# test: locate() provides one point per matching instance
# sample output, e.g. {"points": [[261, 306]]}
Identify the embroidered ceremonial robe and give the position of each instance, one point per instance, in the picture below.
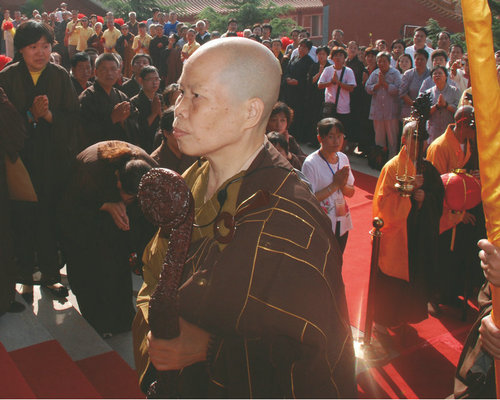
{"points": [[273, 297]]}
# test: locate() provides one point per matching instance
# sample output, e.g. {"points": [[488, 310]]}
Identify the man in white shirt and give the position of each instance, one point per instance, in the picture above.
{"points": [[419, 42], [332, 80]]}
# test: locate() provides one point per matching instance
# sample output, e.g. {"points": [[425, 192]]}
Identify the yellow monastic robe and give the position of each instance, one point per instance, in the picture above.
{"points": [[446, 154], [389, 205]]}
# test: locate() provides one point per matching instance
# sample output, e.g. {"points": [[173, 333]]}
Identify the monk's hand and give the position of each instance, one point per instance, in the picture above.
{"points": [[419, 196], [419, 181], [490, 261], [40, 108], [120, 112], [489, 336], [469, 219], [188, 348], [118, 212]]}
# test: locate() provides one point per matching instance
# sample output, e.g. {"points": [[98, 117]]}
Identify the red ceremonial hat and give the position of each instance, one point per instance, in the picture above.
{"points": [[80, 16], [462, 191], [119, 21], [240, 34], [100, 19]]}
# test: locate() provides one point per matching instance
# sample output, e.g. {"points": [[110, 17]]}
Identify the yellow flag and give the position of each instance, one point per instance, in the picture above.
{"points": [[486, 98]]}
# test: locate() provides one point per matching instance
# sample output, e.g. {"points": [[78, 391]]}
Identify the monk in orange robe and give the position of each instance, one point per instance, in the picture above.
{"points": [[459, 267], [408, 252]]}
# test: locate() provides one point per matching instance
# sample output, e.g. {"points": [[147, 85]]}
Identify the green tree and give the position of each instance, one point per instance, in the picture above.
{"points": [[248, 13], [433, 30], [32, 5], [495, 12]]}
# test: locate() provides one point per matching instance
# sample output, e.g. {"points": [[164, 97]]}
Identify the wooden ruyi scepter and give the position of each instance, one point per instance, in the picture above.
{"points": [[167, 202]]}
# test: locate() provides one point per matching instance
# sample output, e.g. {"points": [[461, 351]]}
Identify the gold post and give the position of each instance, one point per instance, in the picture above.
{"points": [[378, 223]]}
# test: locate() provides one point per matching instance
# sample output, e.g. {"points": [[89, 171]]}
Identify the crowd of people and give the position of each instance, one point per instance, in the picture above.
{"points": [[92, 104]]}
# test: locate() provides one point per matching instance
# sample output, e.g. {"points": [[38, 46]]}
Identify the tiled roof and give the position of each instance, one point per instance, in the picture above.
{"points": [[447, 8], [193, 7]]}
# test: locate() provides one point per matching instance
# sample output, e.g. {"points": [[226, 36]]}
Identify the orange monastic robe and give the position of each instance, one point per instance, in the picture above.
{"points": [[446, 154], [389, 205]]}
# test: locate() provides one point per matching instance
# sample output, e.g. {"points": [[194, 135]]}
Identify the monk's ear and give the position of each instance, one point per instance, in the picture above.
{"points": [[254, 110]]}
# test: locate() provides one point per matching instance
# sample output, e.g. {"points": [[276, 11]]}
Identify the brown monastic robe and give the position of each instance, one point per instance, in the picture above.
{"points": [[274, 298]]}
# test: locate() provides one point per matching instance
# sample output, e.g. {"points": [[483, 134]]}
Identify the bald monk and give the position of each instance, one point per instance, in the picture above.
{"points": [[408, 252], [263, 313], [456, 149]]}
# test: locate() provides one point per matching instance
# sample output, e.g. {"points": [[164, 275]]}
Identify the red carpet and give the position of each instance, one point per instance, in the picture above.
{"points": [[110, 367], [12, 383], [424, 365], [357, 253], [51, 373]]}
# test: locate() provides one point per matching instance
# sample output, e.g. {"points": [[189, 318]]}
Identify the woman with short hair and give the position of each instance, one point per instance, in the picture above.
{"points": [[411, 82], [444, 98], [43, 94]]}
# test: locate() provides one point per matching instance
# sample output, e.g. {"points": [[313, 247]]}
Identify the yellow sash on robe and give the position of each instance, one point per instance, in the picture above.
{"points": [[196, 178]]}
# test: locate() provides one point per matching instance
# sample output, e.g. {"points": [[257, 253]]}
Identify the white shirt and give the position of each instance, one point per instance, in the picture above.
{"points": [[312, 53], [343, 107], [318, 174]]}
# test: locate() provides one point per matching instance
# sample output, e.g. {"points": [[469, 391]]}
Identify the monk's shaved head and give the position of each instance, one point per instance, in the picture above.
{"points": [[408, 130], [465, 123], [246, 68], [464, 112]]}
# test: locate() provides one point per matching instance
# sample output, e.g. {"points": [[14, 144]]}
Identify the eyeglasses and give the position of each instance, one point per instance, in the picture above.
{"points": [[152, 79]]}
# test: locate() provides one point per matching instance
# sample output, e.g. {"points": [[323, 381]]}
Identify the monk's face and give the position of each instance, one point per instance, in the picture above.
{"points": [[151, 83], [107, 73], [207, 112], [37, 55], [82, 71]]}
